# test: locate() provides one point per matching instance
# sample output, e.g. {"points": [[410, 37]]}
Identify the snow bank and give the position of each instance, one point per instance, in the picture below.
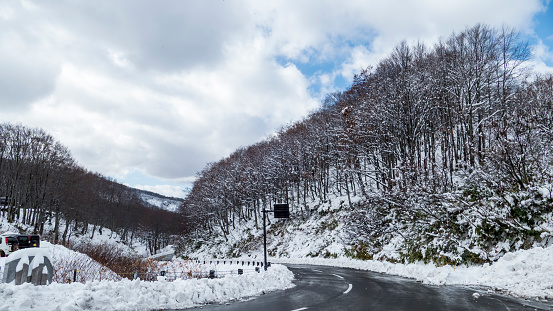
{"points": [[525, 273], [106, 292], [140, 295]]}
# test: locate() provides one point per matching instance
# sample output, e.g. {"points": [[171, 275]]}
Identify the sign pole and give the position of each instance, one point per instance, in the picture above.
{"points": [[264, 240], [281, 211]]}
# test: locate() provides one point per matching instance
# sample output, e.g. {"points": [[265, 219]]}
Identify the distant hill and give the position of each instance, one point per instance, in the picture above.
{"points": [[157, 200]]}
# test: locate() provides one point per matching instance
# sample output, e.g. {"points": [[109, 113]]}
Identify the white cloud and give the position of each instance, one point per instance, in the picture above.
{"points": [[118, 58], [360, 58], [6, 11], [171, 124], [541, 57]]}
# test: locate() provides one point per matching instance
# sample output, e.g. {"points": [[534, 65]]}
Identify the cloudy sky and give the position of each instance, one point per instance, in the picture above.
{"points": [[149, 92]]}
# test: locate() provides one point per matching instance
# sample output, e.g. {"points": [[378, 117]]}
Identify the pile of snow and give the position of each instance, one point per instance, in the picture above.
{"points": [[108, 291], [525, 273], [141, 295]]}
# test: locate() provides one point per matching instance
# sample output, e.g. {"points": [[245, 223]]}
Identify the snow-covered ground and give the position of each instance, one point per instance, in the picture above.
{"points": [[108, 291], [141, 295], [125, 294]]}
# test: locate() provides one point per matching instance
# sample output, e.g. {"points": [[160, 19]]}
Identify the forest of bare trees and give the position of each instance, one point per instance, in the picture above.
{"points": [[435, 140], [40, 184]]}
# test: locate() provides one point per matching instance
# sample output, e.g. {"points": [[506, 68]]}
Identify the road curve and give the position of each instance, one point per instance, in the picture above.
{"points": [[331, 288]]}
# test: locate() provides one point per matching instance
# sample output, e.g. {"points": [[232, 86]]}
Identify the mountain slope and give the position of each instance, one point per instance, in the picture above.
{"points": [[157, 200]]}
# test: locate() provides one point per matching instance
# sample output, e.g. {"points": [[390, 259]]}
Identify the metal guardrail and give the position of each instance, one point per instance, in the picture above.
{"points": [[245, 268], [230, 262]]}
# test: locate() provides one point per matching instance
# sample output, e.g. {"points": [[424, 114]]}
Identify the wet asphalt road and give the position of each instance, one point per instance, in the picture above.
{"points": [[330, 288]]}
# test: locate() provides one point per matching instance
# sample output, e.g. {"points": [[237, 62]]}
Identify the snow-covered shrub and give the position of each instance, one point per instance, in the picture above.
{"points": [[66, 261], [117, 259], [479, 223], [128, 265]]}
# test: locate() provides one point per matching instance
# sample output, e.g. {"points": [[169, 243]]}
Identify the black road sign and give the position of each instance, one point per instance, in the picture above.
{"points": [[282, 211]]}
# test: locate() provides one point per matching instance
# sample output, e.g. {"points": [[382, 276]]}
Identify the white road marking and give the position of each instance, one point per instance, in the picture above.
{"points": [[315, 271], [304, 308], [349, 288], [338, 276]]}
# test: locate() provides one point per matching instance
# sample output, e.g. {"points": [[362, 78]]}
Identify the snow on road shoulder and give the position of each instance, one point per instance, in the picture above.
{"points": [[525, 273], [141, 295]]}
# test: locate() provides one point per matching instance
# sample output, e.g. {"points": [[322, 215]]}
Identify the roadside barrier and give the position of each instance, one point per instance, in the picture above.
{"points": [[171, 276], [222, 268], [230, 262], [28, 266]]}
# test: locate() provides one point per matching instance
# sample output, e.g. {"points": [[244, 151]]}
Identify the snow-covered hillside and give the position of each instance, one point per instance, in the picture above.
{"points": [[421, 160], [326, 230], [322, 237], [159, 201]]}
